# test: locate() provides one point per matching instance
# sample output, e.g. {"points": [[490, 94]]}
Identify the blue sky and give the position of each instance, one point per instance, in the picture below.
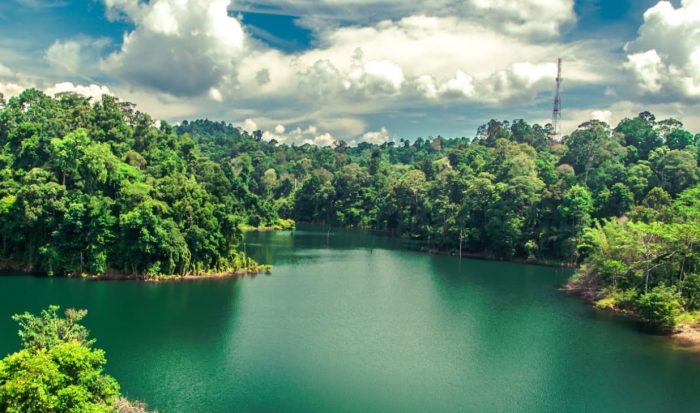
{"points": [[320, 70]]}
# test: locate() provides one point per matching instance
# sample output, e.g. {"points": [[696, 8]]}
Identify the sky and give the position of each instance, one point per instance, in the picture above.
{"points": [[316, 71]]}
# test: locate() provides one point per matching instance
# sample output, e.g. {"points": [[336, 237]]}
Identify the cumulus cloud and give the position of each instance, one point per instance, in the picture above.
{"points": [[616, 111], [194, 58], [193, 47], [445, 57], [78, 56], [369, 60], [523, 18], [10, 89], [180, 47], [299, 136], [64, 55], [518, 81], [530, 17], [461, 86], [375, 77], [89, 91], [377, 137], [665, 57], [249, 126], [602, 115], [12, 83], [312, 135]]}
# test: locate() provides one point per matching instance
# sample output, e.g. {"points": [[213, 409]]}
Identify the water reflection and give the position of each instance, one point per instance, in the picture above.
{"points": [[355, 322]]}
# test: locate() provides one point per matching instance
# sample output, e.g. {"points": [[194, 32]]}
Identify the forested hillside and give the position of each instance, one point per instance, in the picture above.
{"points": [[98, 187], [505, 193]]}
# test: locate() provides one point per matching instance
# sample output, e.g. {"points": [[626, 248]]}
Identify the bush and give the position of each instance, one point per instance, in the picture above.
{"points": [[617, 299], [691, 291], [661, 306], [49, 329], [285, 224], [65, 378], [57, 370]]}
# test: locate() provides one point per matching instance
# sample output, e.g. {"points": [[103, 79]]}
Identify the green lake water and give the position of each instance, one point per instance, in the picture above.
{"points": [[350, 322]]}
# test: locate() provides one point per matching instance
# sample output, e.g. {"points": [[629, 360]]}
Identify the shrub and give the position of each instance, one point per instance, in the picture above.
{"points": [[661, 306], [57, 370]]}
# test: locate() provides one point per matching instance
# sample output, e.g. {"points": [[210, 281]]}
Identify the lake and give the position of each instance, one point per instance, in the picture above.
{"points": [[352, 322]]}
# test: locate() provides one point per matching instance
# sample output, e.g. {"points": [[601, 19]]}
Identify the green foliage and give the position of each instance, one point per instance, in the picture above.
{"points": [[690, 288], [98, 188], [618, 299], [66, 378], [648, 266], [49, 329], [57, 370], [661, 306]]}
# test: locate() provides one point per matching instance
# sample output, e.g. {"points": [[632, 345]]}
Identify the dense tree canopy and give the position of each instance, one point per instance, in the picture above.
{"points": [[100, 187], [506, 193], [650, 265]]}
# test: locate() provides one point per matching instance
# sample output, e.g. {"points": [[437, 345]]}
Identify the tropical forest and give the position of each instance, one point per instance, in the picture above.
{"points": [[305, 206]]}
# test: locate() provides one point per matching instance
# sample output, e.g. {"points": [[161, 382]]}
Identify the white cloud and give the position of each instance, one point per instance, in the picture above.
{"points": [[193, 47], [522, 18], [188, 58], [665, 56], [602, 115], [180, 47], [519, 81], [619, 110], [376, 137], [216, 95], [64, 55], [76, 57], [374, 77], [249, 126], [420, 60], [425, 84], [462, 84], [299, 136], [448, 57], [313, 136], [10, 89], [90, 91], [530, 17], [647, 67]]}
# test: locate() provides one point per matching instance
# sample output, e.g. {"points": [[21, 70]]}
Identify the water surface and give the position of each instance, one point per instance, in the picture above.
{"points": [[351, 322]]}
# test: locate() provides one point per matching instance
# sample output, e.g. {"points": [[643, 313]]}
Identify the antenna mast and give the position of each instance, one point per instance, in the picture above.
{"points": [[556, 113]]}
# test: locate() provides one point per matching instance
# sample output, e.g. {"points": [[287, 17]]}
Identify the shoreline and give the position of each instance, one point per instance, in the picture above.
{"points": [[424, 247], [115, 276], [175, 278], [685, 335], [488, 257]]}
